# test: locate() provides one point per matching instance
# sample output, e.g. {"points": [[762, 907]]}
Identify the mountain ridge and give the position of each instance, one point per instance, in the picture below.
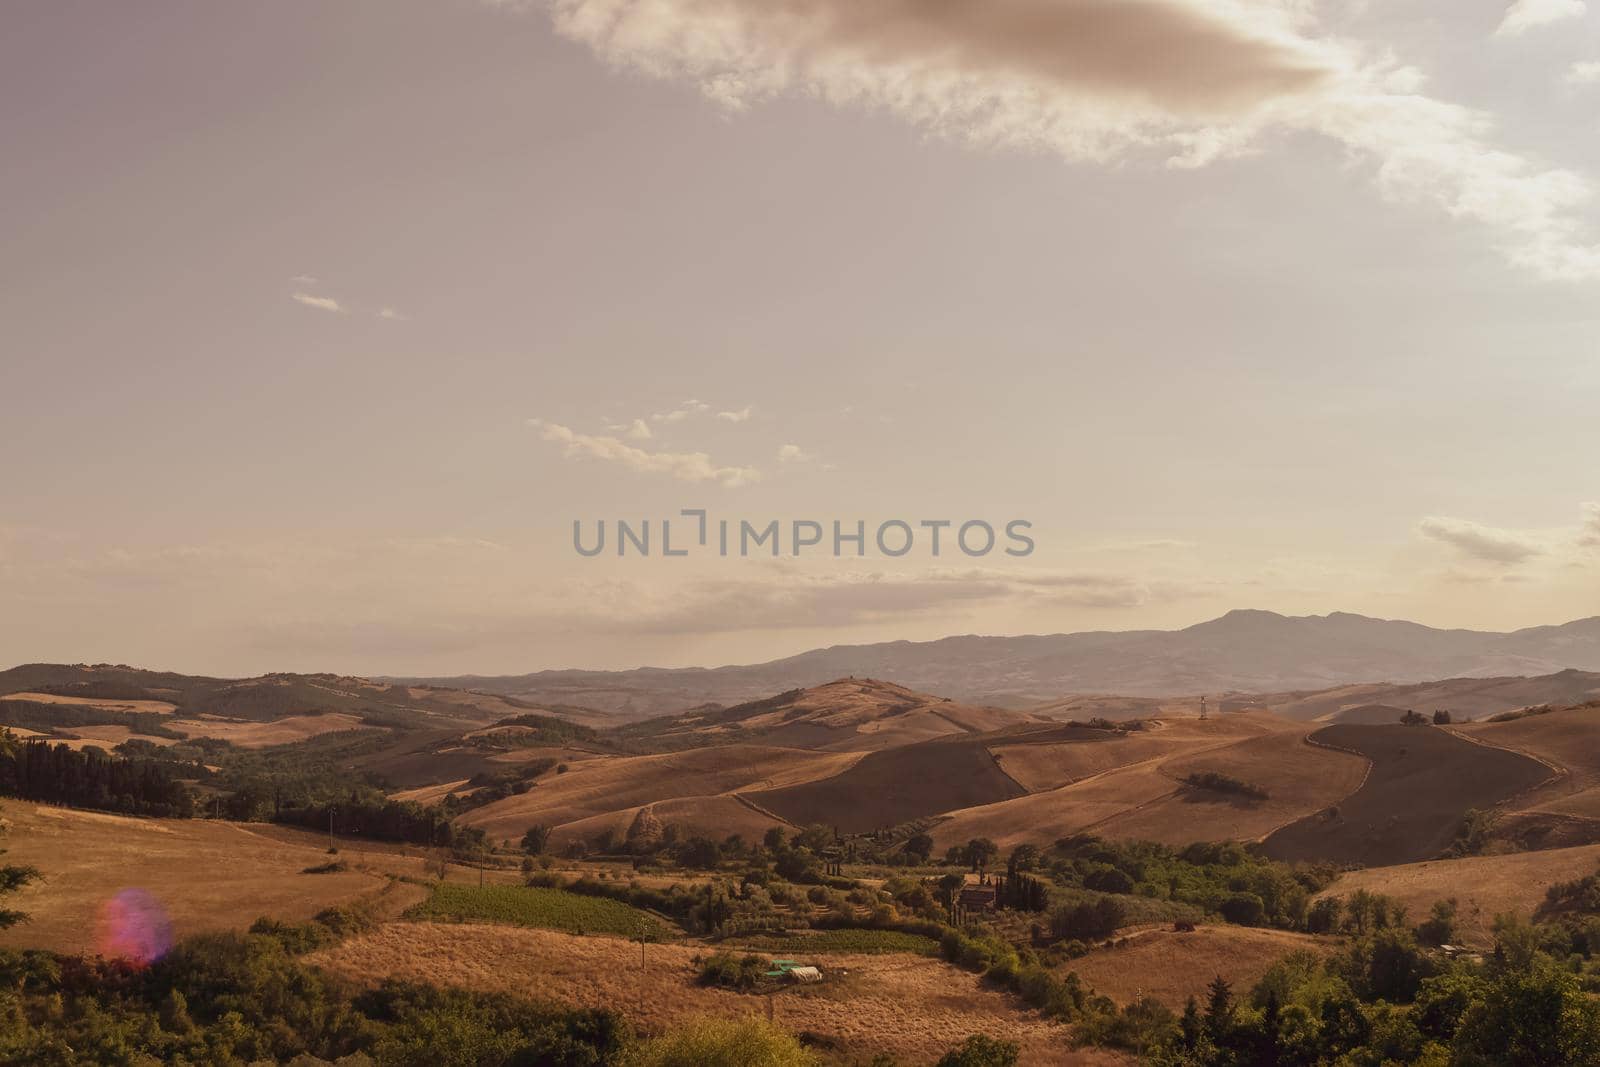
{"points": [[1243, 651]]}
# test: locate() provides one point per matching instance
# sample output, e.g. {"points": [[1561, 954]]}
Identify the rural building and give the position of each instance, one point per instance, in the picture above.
{"points": [[977, 898]]}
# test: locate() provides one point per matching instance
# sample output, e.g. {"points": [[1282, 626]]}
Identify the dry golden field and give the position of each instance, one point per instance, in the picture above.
{"points": [[1171, 966], [1300, 779], [1038, 767], [1483, 886], [208, 875], [910, 1006], [155, 707], [603, 786], [251, 734], [1145, 799]]}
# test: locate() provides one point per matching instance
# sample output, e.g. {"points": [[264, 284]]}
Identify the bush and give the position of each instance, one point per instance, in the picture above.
{"points": [[739, 973], [980, 1050], [1217, 782], [747, 1042]]}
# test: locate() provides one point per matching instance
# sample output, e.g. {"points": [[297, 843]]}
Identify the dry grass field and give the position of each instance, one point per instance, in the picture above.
{"points": [[251, 734], [1299, 779], [609, 785], [1172, 966], [154, 707], [910, 1006], [716, 817], [1483, 886], [1038, 765], [78, 737], [208, 875], [1145, 799], [1423, 781]]}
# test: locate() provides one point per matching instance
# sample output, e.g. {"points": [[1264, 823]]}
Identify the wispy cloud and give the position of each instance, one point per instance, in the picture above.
{"points": [[683, 466], [794, 454], [305, 279], [390, 314], [683, 411], [1525, 15], [1483, 543], [1589, 530], [321, 303], [742, 415], [1584, 72], [1099, 80]]}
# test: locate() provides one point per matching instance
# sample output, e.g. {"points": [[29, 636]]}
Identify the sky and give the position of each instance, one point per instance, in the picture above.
{"points": [[323, 321]]}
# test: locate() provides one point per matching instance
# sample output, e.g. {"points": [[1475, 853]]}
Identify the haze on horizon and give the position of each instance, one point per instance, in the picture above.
{"points": [[323, 322]]}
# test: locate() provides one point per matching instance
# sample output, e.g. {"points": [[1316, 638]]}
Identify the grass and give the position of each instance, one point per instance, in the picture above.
{"points": [[554, 909], [860, 942]]}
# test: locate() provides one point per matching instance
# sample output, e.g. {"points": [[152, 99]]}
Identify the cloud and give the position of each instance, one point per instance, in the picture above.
{"points": [[390, 313], [304, 279], [683, 411], [321, 303], [1584, 72], [1101, 80], [742, 415], [1525, 15], [794, 454], [1484, 543], [638, 430], [684, 466], [1589, 529]]}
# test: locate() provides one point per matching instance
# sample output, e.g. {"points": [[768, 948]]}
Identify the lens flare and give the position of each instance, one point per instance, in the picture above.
{"points": [[133, 926]]}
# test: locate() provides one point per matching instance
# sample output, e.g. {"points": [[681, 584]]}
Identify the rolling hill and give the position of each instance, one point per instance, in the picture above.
{"points": [[844, 715]]}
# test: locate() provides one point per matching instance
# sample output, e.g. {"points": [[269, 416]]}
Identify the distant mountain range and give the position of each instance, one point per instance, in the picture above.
{"points": [[1241, 652]]}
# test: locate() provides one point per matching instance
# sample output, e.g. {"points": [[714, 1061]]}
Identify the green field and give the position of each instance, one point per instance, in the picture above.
{"points": [[536, 906], [867, 942]]}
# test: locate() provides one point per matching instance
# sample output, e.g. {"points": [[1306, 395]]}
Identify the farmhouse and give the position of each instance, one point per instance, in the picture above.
{"points": [[977, 898]]}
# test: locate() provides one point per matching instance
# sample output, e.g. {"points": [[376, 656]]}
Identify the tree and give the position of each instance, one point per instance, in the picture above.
{"points": [[535, 840], [13, 878], [1219, 1010], [949, 886], [1442, 718], [701, 853], [1440, 927], [1024, 857], [920, 846], [981, 852]]}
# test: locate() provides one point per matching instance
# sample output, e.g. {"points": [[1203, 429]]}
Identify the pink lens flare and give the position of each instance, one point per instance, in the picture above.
{"points": [[133, 926]]}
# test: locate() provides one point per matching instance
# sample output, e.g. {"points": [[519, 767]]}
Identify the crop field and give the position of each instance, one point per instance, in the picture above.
{"points": [[862, 942], [154, 707], [1568, 738], [1299, 779], [253, 734], [716, 817], [910, 1007], [616, 783], [1422, 782], [1041, 765], [1483, 886], [207, 875], [555, 909], [896, 785]]}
